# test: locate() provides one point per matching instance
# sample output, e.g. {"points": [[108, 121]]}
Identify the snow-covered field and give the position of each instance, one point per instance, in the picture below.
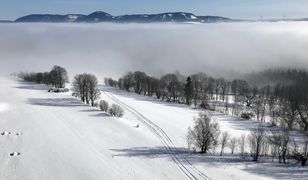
{"points": [[174, 119], [53, 136]]}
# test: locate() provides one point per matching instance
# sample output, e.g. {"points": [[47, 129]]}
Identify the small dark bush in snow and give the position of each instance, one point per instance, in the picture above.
{"points": [[247, 115], [58, 90], [95, 104], [116, 110], [103, 105], [205, 105]]}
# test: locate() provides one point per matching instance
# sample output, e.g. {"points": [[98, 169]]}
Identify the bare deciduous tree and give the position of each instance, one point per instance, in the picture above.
{"points": [[242, 143], [279, 139], [256, 139], [225, 136], [204, 134], [92, 85], [85, 86], [232, 145], [59, 76]]}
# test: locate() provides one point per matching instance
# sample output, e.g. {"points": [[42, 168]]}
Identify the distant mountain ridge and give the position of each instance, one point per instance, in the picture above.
{"points": [[100, 16], [5, 21]]}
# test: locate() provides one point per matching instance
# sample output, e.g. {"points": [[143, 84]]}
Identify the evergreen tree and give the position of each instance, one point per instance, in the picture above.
{"points": [[188, 90]]}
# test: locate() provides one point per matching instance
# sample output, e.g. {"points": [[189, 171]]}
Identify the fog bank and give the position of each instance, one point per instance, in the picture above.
{"points": [[112, 49]]}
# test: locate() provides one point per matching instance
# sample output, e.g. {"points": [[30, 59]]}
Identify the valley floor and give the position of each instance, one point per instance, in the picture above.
{"points": [[53, 136]]}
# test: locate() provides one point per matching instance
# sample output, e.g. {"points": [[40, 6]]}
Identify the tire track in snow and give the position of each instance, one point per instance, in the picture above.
{"points": [[188, 169]]}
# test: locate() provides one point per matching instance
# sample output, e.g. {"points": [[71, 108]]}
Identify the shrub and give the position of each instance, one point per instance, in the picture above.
{"points": [[103, 105], [247, 115], [205, 105], [58, 90], [116, 110], [95, 104]]}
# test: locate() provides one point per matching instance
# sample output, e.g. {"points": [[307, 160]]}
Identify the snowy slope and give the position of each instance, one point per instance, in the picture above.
{"points": [[63, 139], [54, 136], [174, 119]]}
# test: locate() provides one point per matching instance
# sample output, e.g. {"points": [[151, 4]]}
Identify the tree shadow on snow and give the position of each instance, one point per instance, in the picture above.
{"points": [[30, 86], [97, 111], [67, 102], [56, 102], [279, 171], [145, 152], [102, 114], [272, 170], [181, 153]]}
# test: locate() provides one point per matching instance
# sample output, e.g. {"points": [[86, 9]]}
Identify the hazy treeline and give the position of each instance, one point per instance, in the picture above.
{"points": [[57, 77], [276, 76], [279, 97]]}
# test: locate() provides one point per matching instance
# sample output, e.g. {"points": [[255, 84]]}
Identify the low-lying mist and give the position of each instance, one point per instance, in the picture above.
{"points": [[112, 49]]}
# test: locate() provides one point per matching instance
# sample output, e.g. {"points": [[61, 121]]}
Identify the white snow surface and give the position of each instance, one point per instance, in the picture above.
{"points": [[54, 136], [193, 17]]}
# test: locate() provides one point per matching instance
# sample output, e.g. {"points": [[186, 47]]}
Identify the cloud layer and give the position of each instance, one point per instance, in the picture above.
{"points": [[113, 49]]}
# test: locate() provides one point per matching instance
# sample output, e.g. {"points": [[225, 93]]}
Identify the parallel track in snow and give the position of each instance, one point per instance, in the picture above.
{"points": [[180, 160]]}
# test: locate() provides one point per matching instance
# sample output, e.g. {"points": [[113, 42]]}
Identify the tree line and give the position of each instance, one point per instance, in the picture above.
{"points": [[56, 77], [286, 103]]}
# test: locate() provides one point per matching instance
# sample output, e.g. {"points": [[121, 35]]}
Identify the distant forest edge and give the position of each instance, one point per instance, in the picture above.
{"points": [[100, 16]]}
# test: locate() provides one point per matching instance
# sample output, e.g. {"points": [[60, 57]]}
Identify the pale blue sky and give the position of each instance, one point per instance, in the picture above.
{"points": [[11, 9]]}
